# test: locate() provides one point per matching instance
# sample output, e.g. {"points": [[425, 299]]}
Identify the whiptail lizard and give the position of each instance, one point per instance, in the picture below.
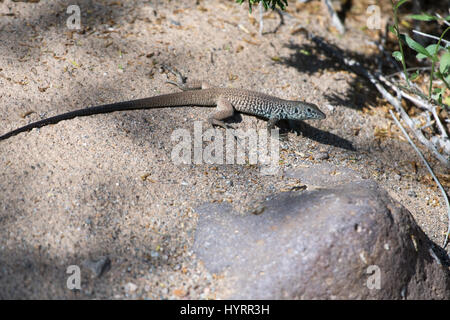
{"points": [[226, 100]]}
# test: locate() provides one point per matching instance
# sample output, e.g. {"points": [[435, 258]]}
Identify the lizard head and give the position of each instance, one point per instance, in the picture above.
{"points": [[304, 111]]}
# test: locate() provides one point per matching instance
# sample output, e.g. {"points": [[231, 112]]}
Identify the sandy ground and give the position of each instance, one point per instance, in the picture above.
{"points": [[106, 185]]}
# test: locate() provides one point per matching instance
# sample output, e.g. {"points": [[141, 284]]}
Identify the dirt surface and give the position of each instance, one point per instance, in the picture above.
{"points": [[106, 185]]}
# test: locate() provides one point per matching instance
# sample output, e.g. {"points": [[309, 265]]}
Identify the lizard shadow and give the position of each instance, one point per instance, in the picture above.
{"points": [[304, 129], [323, 137]]}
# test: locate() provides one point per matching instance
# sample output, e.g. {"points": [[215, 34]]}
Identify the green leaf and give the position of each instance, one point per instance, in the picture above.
{"points": [[422, 17], [444, 65], [266, 4], [397, 55], [305, 52], [393, 30], [447, 78], [437, 94], [420, 56], [447, 100], [415, 45], [431, 50], [414, 75], [398, 4]]}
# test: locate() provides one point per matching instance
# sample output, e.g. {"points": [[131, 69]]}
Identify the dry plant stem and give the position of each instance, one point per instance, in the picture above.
{"points": [[261, 18], [438, 122], [380, 46], [415, 90], [418, 101], [397, 105], [442, 19], [407, 69], [356, 67], [431, 36], [430, 170], [334, 17]]}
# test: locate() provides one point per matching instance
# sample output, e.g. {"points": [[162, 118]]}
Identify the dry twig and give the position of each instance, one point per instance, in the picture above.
{"points": [[359, 69], [429, 169]]}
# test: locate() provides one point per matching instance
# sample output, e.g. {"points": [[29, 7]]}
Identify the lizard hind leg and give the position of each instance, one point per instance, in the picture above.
{"points": [[182, 82], [223, 111]]}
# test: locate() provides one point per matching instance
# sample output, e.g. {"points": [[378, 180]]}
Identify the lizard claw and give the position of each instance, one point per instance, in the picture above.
{"points": [[172, 82], [220, 123], [231, 126], [180, 79]]}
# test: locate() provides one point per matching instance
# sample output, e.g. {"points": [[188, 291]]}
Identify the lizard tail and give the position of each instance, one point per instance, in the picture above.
{"points": [[169, 100], [73, 114]]}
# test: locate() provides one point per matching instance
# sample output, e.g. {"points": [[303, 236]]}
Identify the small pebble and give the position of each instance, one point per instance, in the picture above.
{"points": [[412, 193], [97, 266], [321, 156], [130, 287]]}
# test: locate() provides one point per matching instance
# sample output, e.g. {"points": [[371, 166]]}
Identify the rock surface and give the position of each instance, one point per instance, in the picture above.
{"points": [[346, 242]]}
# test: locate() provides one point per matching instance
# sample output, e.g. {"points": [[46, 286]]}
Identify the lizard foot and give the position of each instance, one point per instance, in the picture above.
{"points": [[181, 81]]}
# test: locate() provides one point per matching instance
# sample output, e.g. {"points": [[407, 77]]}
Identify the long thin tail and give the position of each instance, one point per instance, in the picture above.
{"points": [[66, 116], [168, 100]]}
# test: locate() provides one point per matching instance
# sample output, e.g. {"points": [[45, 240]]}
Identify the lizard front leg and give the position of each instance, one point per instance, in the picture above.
{"points": [[271, 124]]}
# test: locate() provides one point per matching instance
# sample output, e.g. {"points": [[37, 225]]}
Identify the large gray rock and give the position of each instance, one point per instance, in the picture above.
{"points": [[347, 242]]}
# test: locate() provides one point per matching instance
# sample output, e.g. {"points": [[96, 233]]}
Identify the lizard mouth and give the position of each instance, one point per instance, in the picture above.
{"points": [[321, 115], [317, 113]]}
